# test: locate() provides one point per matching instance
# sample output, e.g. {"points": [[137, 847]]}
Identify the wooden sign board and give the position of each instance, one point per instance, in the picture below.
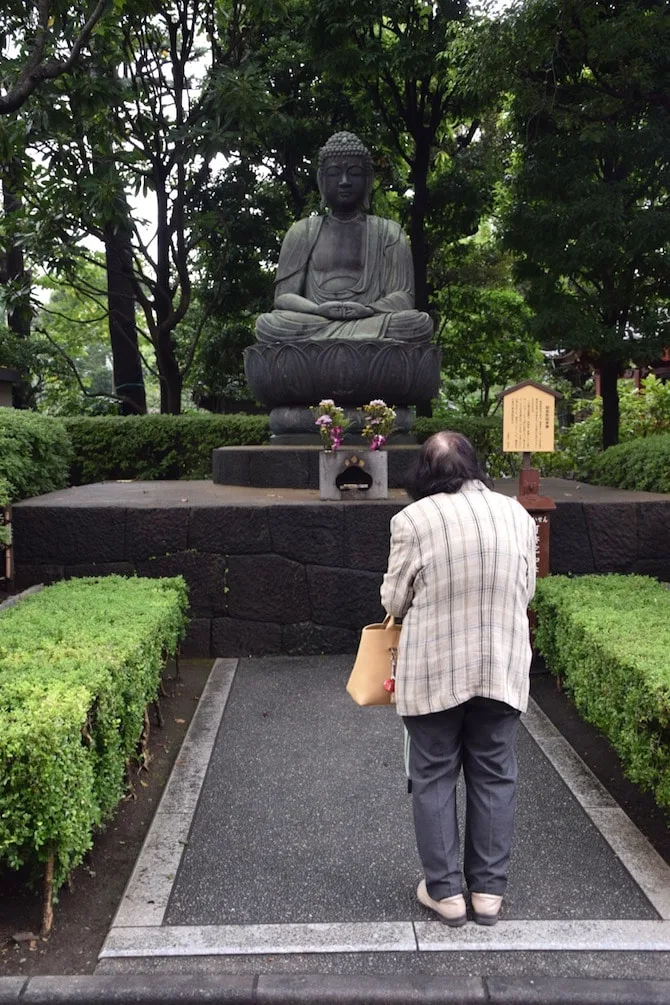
{"points": [[528, 418]]}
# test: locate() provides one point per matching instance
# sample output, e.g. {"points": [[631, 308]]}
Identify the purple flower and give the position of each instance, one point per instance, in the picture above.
{"points": [[323, 420], [377, 442]]}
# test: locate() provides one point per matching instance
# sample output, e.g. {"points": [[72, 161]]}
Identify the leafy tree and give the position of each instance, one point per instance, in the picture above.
{"points": [[487, 346], [43, 221], [67, 361], [588, 212], [408, 68], [136, 119], [248, 216], [384, 72], [41, 42]]}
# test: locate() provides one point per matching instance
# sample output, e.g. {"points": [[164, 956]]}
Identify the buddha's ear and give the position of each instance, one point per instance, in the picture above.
{"points": [[368, 191], [319, 182]]}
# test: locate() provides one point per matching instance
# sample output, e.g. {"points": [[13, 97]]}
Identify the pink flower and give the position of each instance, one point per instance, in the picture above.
{"points": [[323, 420], [377, 442], [336, 436]]}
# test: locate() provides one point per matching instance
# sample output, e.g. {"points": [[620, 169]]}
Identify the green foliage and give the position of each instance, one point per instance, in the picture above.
{"points": [[73, 326], [41, 42], [486, 346], [587, 207], [485, 434], [608, 637], [156, 446], [35, 453], [79, 662], [579, 447], [642, 465], [410, 71]]}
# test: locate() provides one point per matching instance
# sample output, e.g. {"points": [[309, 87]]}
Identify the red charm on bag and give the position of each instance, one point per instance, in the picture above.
{"points": [[389, 683]]}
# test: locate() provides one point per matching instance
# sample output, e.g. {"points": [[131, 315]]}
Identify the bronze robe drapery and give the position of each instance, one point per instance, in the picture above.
{"points": [[386, 283]]}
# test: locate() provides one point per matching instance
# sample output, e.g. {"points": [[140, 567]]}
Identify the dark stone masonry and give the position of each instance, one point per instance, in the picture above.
{"points": [[282, 572]]}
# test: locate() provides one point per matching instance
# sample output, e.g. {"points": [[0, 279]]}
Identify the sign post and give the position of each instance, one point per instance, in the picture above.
{"points": [[528, 426]]}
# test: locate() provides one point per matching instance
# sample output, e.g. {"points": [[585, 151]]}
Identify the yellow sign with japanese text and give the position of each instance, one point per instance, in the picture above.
{"points": [[528, 418]]}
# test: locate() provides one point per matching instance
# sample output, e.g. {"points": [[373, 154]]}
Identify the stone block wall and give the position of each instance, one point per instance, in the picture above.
{"points": [[299, 578]]}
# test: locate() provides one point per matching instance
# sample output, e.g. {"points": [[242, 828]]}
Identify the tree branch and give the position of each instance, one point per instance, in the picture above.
{"points": [[35, 71], [71, 364]]}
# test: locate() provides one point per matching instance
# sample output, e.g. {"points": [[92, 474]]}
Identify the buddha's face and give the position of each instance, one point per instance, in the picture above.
{"points": [[344, 183]]}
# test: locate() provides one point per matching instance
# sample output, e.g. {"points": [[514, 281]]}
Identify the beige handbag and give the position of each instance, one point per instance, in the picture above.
{"points": [[372, 680]]}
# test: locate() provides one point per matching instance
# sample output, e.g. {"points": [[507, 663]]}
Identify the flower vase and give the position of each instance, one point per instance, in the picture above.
{"points": [[353, 474]]}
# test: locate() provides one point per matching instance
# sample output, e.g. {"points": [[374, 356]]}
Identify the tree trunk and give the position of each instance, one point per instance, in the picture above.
{"points": [[419, 245], [609, 374], [170, 376], [128, 376], [20, 316], [417, 233]]}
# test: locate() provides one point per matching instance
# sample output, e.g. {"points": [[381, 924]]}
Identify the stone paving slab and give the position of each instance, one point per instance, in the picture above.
{"points": [[574, 907], [514, 965], [307, 989], [304, 818]]}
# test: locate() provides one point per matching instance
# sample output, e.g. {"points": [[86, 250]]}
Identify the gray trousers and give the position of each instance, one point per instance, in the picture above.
{"points": [[478, 735]]}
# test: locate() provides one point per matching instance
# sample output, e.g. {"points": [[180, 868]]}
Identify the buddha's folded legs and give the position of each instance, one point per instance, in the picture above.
{"points": [[288, 326], [409, 326]]}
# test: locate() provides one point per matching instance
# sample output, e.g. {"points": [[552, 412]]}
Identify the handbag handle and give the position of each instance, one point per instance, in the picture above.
{"points": [[389, 621]]}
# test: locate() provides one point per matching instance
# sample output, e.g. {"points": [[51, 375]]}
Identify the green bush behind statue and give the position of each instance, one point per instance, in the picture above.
{"points": [[149, 447], [35, 454]]}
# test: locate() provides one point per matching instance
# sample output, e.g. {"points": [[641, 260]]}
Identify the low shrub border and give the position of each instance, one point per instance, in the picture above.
{"points": [[35, 453], [608, 637], [79, 663], [148, 447], [642, 465]]}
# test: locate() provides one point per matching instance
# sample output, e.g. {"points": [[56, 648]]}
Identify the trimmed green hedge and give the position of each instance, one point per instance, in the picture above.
{"points": [[79, 662], [150, 447], [609, 638], [35, 453], [485, 434], [643, 465]]}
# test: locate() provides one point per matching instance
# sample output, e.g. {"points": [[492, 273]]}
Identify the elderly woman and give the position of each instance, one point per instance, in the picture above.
{"points": [[461, 573]]}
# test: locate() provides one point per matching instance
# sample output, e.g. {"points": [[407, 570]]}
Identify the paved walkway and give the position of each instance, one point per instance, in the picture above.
{"points": [[284, 844]]}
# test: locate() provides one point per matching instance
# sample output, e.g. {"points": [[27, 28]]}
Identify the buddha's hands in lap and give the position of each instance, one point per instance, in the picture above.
{"points": [[344, 310]]}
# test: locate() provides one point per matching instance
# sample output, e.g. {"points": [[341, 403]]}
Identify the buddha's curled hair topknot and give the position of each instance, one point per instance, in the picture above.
{"points": [[345, 144]]}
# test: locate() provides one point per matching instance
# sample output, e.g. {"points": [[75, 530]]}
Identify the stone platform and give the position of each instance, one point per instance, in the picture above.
{"points": [[278, 571]]}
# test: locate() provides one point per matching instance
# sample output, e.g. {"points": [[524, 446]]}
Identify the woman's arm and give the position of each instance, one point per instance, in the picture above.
{"points": [[404, 563]]}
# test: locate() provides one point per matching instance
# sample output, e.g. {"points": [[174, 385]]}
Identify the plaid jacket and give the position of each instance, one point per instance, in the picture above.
{"points": [[461, 573]]}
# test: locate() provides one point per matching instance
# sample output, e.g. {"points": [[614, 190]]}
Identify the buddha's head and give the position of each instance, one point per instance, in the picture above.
{"points": [[345, 173]]}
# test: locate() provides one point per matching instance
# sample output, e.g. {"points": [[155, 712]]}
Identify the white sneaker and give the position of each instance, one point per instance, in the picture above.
{"points": [[450, 909], [486, 907]]}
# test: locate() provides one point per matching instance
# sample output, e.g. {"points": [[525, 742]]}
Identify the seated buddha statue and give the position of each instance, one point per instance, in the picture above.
{"points": [[345, 274]]}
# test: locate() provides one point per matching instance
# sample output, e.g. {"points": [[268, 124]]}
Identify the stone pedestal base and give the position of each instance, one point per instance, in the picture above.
{"points": [[353, 474], [351, 373]]}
